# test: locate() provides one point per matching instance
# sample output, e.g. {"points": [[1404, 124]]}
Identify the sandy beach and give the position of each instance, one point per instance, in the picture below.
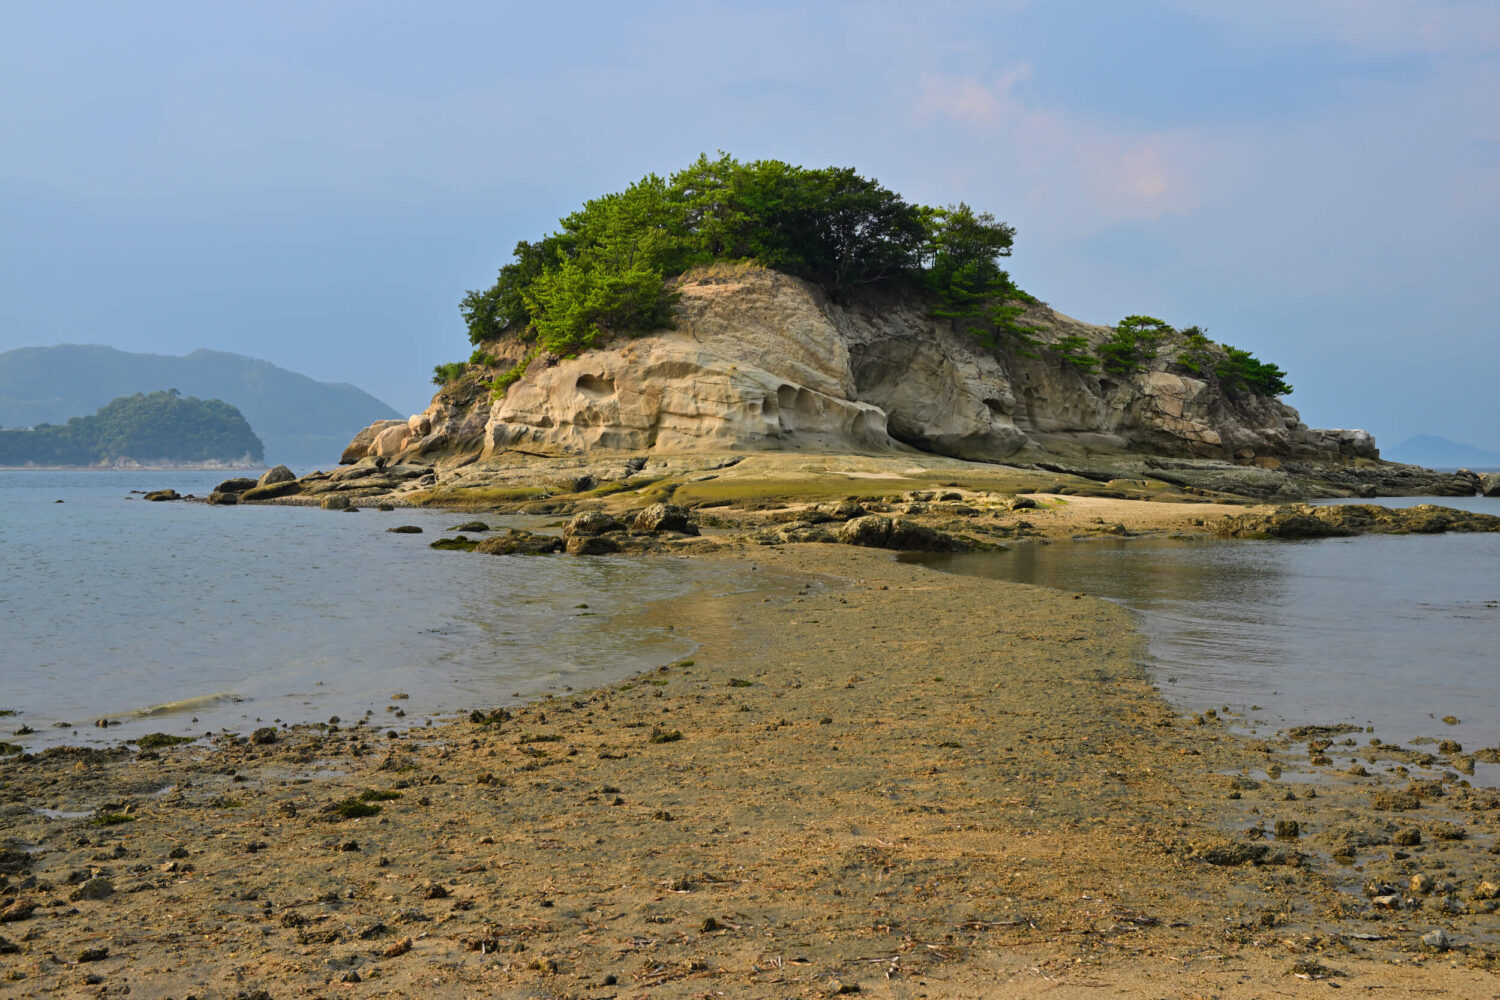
{"points": [[873, 778]]}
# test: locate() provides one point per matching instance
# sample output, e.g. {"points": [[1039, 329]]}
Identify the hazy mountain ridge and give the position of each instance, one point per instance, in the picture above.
{"points": [[300, 420], [1429, 449]]}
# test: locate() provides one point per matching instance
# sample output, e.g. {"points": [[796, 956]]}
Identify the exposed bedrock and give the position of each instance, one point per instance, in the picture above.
{"points": [[760, 361]]}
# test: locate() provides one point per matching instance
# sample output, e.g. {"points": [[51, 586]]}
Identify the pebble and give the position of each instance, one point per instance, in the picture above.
{"points": [[1436, 939], [1421, 883]]}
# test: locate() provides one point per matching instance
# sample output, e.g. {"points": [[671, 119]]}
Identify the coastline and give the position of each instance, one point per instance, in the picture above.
{"points": [[998, 802]]}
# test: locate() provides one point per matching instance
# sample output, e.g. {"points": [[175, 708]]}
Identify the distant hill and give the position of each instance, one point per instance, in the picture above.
{"points": [[301, 421], [149, 428], [1430, 450]]}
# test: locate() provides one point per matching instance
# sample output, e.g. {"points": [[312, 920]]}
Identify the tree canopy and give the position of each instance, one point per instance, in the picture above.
{"points": [[157, 426], [605, 269]]}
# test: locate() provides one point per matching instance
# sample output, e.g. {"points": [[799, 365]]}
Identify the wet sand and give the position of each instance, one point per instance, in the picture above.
{"points": [[887, 780]]}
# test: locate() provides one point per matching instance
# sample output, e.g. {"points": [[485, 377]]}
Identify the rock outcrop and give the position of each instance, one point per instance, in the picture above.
{"points": [[762, 361], [1339, 520]]}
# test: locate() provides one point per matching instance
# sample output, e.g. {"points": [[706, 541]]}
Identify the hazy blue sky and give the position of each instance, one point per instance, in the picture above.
{"points": [[317, 184]]}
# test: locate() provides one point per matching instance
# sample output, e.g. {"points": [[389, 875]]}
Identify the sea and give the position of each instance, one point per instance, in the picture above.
{"points": [[120, 617], [1391, 633]]}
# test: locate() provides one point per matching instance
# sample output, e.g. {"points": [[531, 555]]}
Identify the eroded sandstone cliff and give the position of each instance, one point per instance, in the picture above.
{"points": [[762, 361]]}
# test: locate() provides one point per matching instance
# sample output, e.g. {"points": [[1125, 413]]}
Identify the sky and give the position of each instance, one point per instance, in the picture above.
{"points": [[318, 184]]}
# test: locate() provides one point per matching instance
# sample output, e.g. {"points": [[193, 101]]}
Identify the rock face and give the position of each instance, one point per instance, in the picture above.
{"points": [[763, 361], [1489, 484]]}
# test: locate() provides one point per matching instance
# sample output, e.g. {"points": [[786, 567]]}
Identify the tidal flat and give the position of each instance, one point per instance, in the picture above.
{"points": [[889, 780]]}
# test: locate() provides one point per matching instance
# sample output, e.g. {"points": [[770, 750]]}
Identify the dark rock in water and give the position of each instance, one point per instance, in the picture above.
{"points": [[385, 506], [1306, 521], [458, 543], [522, 543], [223, 499], [271, 491], [470, 526], [280, 474], [591, 545], [350, 509], [591, 522], [334, 502], [238, 485], [162, 495], [405, 529], [664, 517]]}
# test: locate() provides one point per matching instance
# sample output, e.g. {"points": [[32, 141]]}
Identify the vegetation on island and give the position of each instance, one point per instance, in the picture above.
{"points": [[161, 426], [607, 270]]}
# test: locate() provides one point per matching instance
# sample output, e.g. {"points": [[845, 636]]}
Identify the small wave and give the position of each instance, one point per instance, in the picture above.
{"points": [[186, 705]]}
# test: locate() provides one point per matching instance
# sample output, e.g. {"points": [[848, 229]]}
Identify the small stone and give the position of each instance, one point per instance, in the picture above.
{"points": [[1288, 828], [1421, 883], [93, 954], [1487, 890], [352, 976], [397, 948], [19, 910], [1436, 939], [94, 888], [1409, 837], [434, 891], [405, 529], [1450, 746], [1391, 902]]}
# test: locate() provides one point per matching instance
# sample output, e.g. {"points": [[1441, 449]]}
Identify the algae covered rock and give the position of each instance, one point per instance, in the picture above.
{"points": [[591, 522], [223, 499], [237, 485], [157, 495], [591, 545], [1302, 520], [875, 531], [519, 543], [661, 517], [271, 491]]}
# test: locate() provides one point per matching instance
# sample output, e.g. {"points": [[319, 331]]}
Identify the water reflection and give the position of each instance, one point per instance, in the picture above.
{"points": [[1394, 632]]}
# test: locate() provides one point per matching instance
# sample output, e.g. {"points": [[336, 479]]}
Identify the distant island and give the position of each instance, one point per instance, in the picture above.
{"points": [[157, 428], [301, 421]]}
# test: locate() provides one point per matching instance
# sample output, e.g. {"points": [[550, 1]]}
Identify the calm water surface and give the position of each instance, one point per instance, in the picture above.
{"points": [[232, 617], [1386, 631]]}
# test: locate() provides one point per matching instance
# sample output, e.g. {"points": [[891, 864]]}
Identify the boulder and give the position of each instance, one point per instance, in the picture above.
{"points": [[224, 499], [1019, 503], [336, 501], [237, 485], [591, 522], [280, 474], [522, 543], [661, 517], [591, 545], [1489, 484], [405, 529], [162, 495], [271, 491], [360, 446]]}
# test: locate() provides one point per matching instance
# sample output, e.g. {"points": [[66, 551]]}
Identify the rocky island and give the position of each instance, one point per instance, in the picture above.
{"points": [[871, 777]]}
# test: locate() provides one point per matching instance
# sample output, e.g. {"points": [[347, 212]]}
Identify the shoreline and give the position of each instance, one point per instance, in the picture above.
{"points": [[997, 798]]}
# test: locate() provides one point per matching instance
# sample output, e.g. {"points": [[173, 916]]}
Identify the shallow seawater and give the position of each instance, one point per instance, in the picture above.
{"points": [[186, 618], [1391, 632]]}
